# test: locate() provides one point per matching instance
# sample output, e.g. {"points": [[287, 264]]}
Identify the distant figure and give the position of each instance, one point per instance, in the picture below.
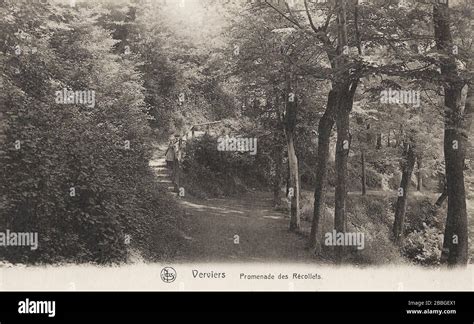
{"points": [[170, 155]]}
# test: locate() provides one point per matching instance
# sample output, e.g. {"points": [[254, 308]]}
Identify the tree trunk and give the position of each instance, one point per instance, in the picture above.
{"points": [[290, 127], [378, 146], [399, 137], [346, 88], [294, 184], [278, 159], [368, 140], [455, 245], [325, 126], [338, 108], [419, 175], [408, 165], [342, 154]]}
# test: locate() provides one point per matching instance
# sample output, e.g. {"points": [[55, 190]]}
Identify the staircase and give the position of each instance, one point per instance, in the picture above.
{"points": [[162, 173]]}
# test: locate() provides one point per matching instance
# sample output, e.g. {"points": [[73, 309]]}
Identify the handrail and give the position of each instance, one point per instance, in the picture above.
{"points": [[201, 124], [209, 123], [182, 142]]}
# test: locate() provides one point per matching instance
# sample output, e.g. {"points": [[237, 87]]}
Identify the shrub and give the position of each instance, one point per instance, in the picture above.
{"points": [[370, 215], [423, 247], [72, 180], [208, 172]]}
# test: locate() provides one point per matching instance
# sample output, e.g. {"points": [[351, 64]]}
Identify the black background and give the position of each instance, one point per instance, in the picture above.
{"points": [[148, 307]]}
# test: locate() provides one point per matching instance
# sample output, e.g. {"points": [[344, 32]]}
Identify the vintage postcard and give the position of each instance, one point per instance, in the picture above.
{"points": [[236, 145]]}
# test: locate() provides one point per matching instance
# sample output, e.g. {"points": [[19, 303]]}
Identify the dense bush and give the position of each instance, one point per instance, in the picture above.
{"points": [[369, 215], [209, 172], [373, 216], [76, 174], [424, 228], [424, 247], [366, 214], [354, 182], [422, 212]]}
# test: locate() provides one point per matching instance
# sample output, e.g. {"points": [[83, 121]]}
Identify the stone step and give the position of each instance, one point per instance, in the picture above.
{"points": [[161, 175], [160, 169], [159, 166], [164, 181], [157, 163]]}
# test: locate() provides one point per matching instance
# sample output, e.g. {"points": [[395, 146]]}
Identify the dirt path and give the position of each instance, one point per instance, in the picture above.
{"points": [[215, 226], [239, 229], [212, 226]]}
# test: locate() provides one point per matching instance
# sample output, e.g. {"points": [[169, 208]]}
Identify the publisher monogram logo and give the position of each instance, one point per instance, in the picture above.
{"points": [[168, 275]]}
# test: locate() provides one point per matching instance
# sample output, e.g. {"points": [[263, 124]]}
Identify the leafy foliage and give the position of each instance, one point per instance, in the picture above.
{"points": [[76, 174]]}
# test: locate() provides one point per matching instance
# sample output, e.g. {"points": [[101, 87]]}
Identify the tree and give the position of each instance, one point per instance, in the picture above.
{"points": [[455, 245], [76, 172], [407, 165], [294, 185]]}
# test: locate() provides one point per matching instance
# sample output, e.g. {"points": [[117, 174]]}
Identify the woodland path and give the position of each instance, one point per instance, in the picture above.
{"points": [[211, 226]]}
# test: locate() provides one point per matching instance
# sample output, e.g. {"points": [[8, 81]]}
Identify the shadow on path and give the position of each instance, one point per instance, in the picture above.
{"points": [[213, 227]]}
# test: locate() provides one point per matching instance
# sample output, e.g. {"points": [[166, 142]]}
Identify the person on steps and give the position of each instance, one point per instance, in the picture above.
{"points": [[170, 155]]}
